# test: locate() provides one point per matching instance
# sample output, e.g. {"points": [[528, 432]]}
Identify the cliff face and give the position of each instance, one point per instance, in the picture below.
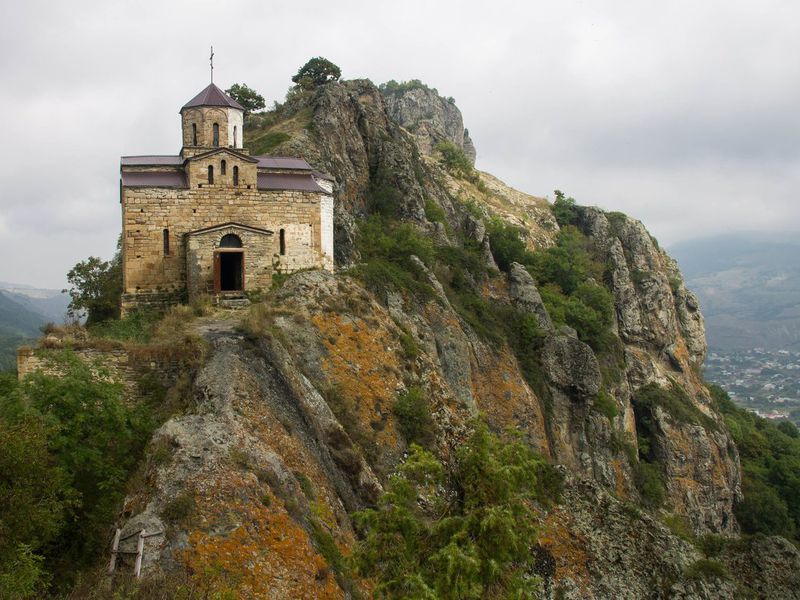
{"points": [[293, 425], [430, 118]]}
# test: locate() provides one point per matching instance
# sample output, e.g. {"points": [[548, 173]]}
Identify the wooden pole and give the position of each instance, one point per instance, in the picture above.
{"points": [[114, 548], [139, 553]]}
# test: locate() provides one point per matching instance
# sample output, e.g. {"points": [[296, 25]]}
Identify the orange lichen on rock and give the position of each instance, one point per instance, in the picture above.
{"points": [[253, 548], [620, 479], [567, 549], [505, 398], [362, 360]]}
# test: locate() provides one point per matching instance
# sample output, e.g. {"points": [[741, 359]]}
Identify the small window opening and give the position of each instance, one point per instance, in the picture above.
{"points": [[235, 175], [215, 143], [283, 242], [235, 142], [210, 174], [166, 242], [194, 134], [223, 167]]}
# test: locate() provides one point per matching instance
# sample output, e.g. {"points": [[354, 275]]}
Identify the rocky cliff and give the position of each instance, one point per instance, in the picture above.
{"points": [[293, 427], [430, 118]]}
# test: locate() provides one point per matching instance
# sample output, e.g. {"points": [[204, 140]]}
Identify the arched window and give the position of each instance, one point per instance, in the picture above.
{"points": [[194, 134], [235, 175], [223, 167], [166, 242], [282, 240], [230, 240], [210, 174], [235, 143], [215, 143]]}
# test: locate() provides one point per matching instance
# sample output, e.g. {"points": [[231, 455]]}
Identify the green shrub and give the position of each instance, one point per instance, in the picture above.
{"points": [[650, 482], [606, 404], [179, 510], [433, 212], [564, 209], [679, 526], [674, 400], [707, 570], [393, 87], [507, 244], [568, 264], [136, 327], [386, 248], [616, 222], [455, 161], [478, 541], [409, 345], [414, 418], [306, 486], [711, 545]]}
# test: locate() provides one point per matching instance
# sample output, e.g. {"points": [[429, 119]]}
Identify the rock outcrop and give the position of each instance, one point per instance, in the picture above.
{"points": [[430, 118]]}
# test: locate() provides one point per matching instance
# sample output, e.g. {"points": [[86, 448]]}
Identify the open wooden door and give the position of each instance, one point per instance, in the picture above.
{"points": [[217, 273]]}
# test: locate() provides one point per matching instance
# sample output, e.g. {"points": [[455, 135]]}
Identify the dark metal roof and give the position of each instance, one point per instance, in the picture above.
{"points": [[174, 179], [288, 181], [282, 162], [322, 175], [155, 159], [212, 96]]}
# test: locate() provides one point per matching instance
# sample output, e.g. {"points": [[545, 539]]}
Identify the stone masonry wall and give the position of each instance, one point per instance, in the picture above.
{"points": [[146, 212], [259, 250], [117, 364]]}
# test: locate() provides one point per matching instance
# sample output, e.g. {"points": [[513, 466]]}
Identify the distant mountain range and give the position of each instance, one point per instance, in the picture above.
{"points": [[749, 288], [23, 310]]}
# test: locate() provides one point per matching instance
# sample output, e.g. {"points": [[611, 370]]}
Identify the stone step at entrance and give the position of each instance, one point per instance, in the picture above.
{"points": [[233, 300]]}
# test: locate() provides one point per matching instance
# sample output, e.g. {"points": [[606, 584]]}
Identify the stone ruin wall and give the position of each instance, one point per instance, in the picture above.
{"points": [[122, 365]]}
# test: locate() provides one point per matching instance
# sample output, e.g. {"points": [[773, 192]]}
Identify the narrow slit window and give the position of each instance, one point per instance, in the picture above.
{"points": [[215, 143], [194, 134], [235, 141], [282, 239], [223, 167], [235, 175], [210, 174], [166, 242]]}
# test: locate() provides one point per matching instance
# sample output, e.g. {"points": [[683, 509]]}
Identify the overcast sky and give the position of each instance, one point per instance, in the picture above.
{"points": [[683, 114]]}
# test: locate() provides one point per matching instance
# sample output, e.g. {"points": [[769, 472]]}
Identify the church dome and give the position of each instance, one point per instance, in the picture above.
{"points": [[213, 96]]}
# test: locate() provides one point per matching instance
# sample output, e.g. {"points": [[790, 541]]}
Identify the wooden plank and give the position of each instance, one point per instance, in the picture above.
{"points": [[114, 550], [137, 571], [217, 274]]}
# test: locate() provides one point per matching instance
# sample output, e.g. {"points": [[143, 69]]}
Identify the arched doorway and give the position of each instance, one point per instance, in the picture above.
{"points": [[229, 265]]}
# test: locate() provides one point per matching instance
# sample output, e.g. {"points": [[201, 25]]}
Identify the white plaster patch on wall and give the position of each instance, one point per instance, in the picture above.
{"points": [[326, 229], [235, 119]]}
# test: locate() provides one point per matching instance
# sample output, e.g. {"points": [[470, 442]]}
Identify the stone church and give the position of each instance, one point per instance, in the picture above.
{"points": [[214, 219]]}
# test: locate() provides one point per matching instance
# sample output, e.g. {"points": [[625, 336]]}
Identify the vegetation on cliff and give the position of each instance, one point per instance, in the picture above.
{"points": [[69, 444], [770, 455], [468, 533]]}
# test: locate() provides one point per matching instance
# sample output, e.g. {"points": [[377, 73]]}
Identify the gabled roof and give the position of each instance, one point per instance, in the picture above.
{"points": [[171, 179], [230, 224], [212, 96], [282, 162], [300, 182], [151, 160], [222, 149]]}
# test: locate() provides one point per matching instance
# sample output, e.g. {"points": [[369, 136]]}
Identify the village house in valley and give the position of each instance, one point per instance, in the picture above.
{"points": [[214, 219]]}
